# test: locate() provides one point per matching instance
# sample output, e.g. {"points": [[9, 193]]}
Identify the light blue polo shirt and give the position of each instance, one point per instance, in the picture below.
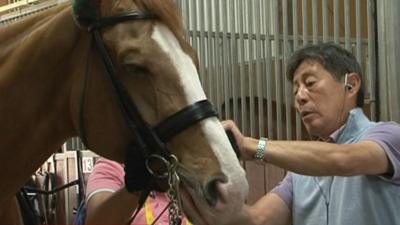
{"points": [[353, 200]]}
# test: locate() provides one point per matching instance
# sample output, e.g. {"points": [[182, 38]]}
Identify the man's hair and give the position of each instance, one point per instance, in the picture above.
{"points": [[335, 59]]}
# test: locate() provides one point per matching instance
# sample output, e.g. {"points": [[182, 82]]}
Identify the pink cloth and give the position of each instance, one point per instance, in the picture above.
{"points": [[108, 175]]}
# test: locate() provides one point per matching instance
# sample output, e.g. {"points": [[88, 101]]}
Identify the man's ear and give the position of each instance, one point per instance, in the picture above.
{"points": [[352, 82]]}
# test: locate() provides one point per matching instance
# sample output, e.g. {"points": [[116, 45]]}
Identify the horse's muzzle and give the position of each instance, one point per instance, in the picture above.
{"points": [[213, 191]]}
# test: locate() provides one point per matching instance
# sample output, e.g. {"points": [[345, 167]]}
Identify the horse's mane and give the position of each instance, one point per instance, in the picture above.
{"points": [[13, 33], [167, 12], [30, 22]]}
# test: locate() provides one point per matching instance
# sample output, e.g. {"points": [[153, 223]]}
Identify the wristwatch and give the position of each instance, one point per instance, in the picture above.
{"points": [[261, 150]]}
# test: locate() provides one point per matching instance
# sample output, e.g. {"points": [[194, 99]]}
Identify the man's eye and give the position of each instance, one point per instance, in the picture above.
{"points": [[310, 83]]}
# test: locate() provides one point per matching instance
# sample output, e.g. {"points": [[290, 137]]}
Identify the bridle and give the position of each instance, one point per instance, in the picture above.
{"points": [[151, 141]]}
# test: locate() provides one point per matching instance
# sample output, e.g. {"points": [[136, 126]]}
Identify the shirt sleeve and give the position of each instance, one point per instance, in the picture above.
{"points": [[387, 135], [285, 190], [107, 175]]}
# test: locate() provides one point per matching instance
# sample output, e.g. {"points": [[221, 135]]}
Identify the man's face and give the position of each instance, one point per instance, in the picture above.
{"points": [[319, 98]]}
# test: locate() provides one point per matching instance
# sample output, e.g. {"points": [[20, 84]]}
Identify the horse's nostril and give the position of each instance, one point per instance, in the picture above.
{"points": [[212, 192]]}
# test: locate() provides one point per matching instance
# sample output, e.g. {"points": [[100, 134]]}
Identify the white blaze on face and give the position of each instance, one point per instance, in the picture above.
{"points": [[183, 63], [212, 128]]}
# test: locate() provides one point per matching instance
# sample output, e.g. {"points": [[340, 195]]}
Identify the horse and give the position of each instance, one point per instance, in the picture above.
{"points": [[109, 71]]}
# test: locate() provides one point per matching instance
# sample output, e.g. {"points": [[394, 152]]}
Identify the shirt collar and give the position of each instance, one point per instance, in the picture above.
{"points": [[336, 134]]}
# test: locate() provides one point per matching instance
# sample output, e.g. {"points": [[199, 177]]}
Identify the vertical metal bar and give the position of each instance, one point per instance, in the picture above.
{"points": [[384, 113], [278, 84], [392, 26], [66, 191], [83, 147], [325, 21], [359, 34], [305, 21], [251, 58], [201, 50], [77, 172], [315, 20], [295, 19], [267, 66], [359, 44], [225, 59], [234, 59], [262, 82], [73, 145], [259, 85], [218, 76], [336, 21], [179, 4], [295, 46], [210, 55], [288, 89], [242, 67], [347, 31], [210, 65], [371, 57], [64, 147], [187, 19], [195, 29]]}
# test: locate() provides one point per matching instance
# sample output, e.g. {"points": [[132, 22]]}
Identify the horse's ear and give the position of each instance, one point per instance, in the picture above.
{"points": [[84, 12]]}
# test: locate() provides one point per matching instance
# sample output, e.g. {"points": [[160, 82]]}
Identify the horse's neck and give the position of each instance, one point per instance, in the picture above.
{"points": [[36, 74], [13, 35]]}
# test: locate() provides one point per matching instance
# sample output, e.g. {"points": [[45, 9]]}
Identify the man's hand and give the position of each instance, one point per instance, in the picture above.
{"points": [[241, 140]]}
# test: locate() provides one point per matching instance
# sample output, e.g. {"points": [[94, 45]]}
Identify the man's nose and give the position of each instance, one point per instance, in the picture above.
{"points": [[301, 95]]}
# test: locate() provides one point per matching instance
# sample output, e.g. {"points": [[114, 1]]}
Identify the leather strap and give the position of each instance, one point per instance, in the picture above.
{"points": [[185, 118]]}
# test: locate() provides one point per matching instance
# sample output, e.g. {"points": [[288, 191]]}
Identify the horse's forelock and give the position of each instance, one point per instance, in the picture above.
{"points": [[167, 12], [84, 12]]}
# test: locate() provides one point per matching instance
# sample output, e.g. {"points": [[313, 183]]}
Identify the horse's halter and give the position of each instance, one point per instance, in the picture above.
{"points": [[150, 140]]}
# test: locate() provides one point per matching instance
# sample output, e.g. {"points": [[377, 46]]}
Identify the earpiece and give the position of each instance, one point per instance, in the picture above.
{"points": [[349, 86], [346, 82]]}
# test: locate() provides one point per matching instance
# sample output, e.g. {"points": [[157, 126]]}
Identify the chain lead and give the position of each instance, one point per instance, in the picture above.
{"points": [[174, 209]]}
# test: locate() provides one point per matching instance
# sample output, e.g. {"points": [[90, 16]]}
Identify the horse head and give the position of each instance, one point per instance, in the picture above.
{"points": [[144, 68]]}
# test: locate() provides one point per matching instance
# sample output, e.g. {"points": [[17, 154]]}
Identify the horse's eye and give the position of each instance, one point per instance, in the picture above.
{"points": [[135, 69]]}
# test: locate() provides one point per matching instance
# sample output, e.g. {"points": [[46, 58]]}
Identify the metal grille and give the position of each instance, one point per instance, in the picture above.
{"points": [[243, 47]]}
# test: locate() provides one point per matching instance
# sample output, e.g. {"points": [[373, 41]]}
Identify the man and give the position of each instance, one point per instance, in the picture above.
{"points": [[350, 173]]}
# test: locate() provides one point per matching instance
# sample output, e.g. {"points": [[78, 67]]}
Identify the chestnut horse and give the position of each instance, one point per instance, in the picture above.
{"points": [[90, 69]]}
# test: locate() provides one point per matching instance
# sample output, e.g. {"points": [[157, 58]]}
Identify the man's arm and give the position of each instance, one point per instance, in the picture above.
{"points": [[272, 209], [269, 210], [318, 158], [325, 159]]}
